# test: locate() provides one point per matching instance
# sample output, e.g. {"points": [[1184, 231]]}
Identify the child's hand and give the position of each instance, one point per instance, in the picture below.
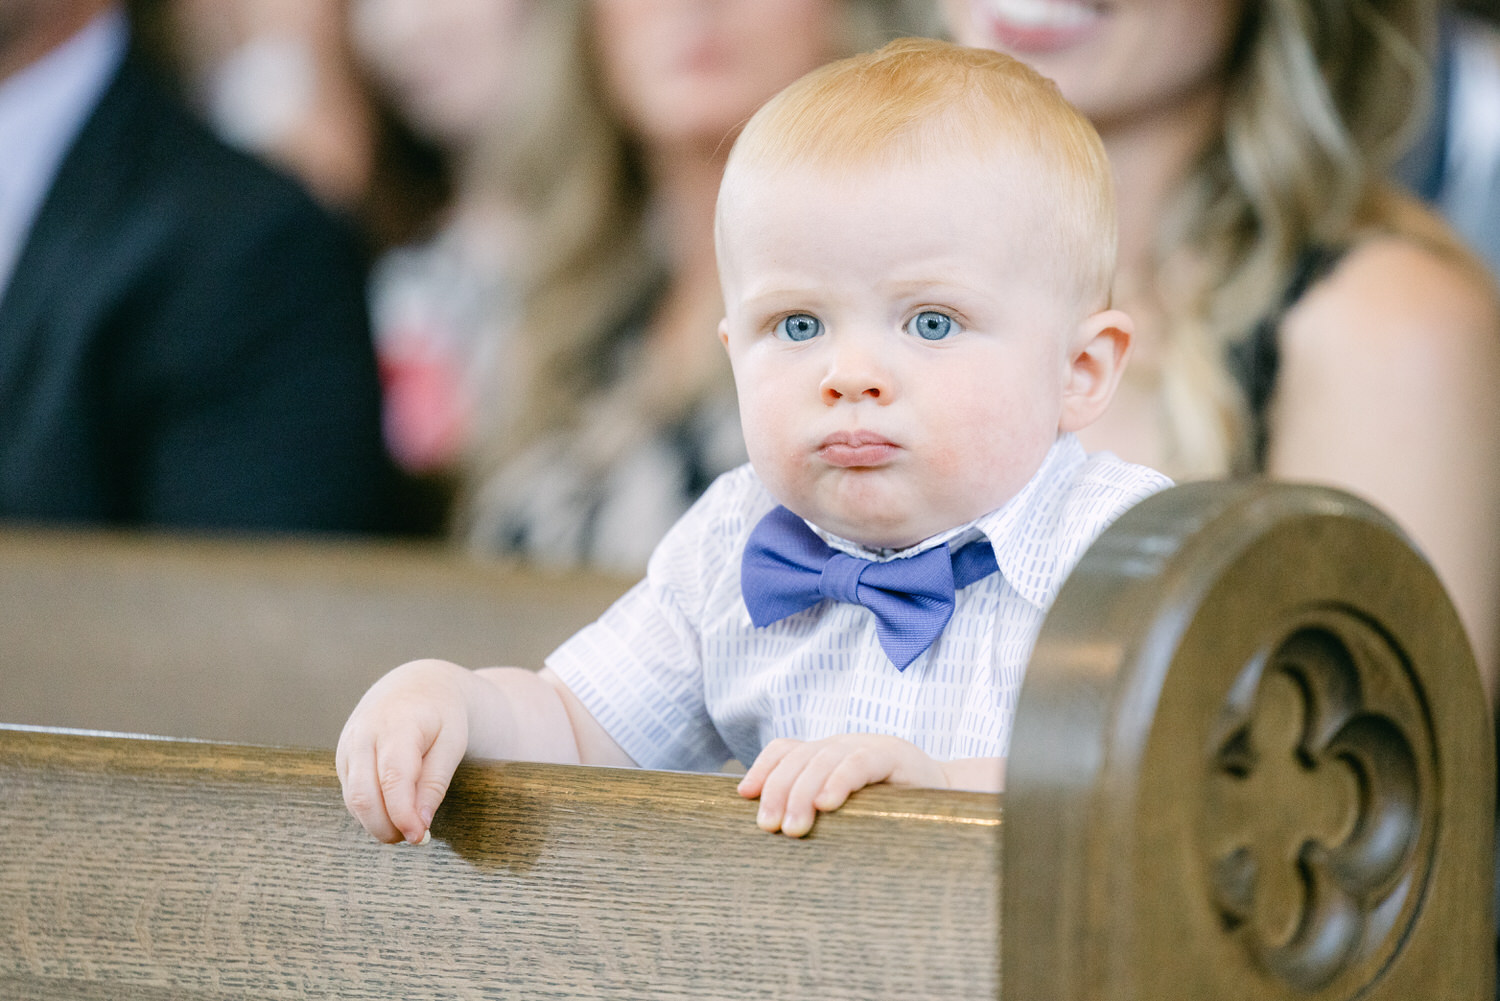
{"points": [[401, 746], [795, 778]]}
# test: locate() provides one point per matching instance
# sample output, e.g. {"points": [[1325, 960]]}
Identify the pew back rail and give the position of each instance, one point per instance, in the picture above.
{"points": [[167, 869], [254, 640]]}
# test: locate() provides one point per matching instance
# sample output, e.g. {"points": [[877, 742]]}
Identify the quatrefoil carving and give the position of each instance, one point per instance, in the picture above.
{"points": [[1318, 802]]}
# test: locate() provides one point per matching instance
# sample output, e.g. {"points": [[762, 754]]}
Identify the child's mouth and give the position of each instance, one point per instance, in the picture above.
{"points": [[850, 449]]}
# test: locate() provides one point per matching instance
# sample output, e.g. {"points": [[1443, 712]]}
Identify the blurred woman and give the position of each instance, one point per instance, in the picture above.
{"points": [[1297, 317], [459, 75], [619, 409]]}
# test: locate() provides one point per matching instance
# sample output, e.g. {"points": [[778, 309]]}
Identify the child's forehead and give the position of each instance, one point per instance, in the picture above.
{"points": [[842, 181], [961, 196], [793, 232]]}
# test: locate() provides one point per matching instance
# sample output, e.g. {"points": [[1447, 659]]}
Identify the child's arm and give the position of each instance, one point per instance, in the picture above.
{"points": [[404, 739], [795, 779]]}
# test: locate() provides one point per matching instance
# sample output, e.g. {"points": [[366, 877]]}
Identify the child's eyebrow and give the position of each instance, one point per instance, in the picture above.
{"points": [[774, 293], [920, 287], [771, 297]]}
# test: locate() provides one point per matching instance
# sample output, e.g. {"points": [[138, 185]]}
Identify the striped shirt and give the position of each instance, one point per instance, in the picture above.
{"points": [[681, 679]]}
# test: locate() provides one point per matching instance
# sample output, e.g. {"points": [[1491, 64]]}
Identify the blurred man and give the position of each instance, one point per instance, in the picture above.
{"points": [[183, 338]]}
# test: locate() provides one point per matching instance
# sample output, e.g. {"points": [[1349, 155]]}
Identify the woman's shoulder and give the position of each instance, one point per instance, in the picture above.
{"points": [[1385, 363], [1405, 286]]}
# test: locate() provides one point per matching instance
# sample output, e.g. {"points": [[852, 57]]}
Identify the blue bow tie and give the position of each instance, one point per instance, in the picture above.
{"points": [[787, 568]]}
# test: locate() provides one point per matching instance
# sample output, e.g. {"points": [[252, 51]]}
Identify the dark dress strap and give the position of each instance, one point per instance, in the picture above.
{"points": [[1255, 361]]}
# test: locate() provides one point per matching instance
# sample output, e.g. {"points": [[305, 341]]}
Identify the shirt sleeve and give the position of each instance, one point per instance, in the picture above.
{"points": [[638, 669]]}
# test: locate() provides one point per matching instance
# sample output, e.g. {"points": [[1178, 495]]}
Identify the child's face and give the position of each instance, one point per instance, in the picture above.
{"points": [[900, 346]]}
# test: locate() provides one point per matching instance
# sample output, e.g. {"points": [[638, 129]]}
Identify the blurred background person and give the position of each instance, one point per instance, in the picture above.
{"points": [[468, 77], [276, 78], [545, 335], [1297, 317], [279, 79], [625, 410], [183, 338], [591, 402]]}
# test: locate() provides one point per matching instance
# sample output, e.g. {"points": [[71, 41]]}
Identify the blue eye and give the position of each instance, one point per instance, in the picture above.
{"points": [[931, 325], [799, 327]]}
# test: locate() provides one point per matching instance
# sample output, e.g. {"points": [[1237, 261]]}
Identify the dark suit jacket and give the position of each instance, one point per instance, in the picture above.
{"points": [[184, 341]]}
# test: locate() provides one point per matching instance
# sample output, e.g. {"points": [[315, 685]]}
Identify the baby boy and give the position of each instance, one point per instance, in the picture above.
{"points": [[916, 248]]}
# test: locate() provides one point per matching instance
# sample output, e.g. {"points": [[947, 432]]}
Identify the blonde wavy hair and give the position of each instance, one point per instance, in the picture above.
{"points": [[579, 177], [918, 98], [1320, 98]]}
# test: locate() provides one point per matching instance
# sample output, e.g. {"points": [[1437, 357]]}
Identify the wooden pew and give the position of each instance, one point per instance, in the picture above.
{"points": [[217, 872], [256, 640], [1252, 760]]}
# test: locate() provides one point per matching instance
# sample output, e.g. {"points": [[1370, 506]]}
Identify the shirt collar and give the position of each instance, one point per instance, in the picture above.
{"points": [[42, 109], [1022, 529], [1012, 528], [884, 555]]}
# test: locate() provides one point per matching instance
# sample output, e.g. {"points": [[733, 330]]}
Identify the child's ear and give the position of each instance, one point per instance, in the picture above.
{"points": [[1096, 359]]}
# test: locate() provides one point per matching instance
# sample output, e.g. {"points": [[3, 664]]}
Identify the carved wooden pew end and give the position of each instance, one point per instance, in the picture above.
{"points": [[1255, 747]]}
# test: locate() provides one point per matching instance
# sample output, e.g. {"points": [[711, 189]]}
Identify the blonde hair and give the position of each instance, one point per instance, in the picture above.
{"points": [[919, 98], [571, 170], [1319, 98], [593, 265]]}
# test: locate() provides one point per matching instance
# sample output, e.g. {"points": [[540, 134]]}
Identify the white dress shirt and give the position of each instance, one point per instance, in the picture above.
{"points": [[42, 109], [681, 679]]}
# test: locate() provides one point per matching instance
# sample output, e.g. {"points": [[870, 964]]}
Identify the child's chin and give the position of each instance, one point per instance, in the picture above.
{"points": [[875, 529], [871, 507]]}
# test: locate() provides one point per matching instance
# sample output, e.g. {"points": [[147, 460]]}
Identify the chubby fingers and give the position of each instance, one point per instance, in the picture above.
{"points": [[797, 780], [858, 767], [362, 795], [400, 746], [393, 783], [438, 766], [769, 757], [772, 777], [414, 779]]}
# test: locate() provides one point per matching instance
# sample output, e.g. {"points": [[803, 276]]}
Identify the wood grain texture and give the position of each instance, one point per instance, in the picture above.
{"points": [[159, 869], [265, 640], [1251, 760]]}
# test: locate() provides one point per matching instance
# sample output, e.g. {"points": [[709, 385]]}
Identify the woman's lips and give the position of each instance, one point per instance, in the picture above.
{"points": [[857, 448], [1036, 26]]}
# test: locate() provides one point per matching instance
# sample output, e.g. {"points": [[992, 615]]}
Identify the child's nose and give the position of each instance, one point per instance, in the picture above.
{"points": [[858, 373]]}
